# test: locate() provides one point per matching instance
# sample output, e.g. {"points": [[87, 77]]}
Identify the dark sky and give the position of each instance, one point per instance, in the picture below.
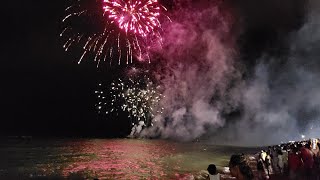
{"points": [[45, 92]]}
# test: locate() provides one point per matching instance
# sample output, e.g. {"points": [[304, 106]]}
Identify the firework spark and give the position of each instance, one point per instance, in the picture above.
{"points": [[134, 16], [113, 31], [139, 98]]}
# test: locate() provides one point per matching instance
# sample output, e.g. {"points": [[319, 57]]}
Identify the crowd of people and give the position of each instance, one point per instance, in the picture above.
{"points": [[293, 161]]}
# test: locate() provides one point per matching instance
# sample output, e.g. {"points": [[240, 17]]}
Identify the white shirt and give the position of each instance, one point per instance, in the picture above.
{"points": [[214, 177]]}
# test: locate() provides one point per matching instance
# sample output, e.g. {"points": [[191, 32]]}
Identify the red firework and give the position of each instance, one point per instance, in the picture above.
{"points": [[135, 16], [113, 30]]}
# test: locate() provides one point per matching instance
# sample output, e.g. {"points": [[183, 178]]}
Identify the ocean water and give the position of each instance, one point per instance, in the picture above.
{"points": [[109, 158]]}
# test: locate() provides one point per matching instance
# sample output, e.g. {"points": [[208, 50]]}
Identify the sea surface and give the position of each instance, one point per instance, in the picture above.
{"points": [[109, 158]]}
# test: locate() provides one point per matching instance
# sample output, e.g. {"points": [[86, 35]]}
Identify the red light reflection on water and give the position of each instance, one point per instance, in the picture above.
{"points": [[121, 159]]}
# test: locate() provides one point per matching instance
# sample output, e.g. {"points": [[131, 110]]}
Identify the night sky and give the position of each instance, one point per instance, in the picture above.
{"points": [[43, 89], [45, 92]]}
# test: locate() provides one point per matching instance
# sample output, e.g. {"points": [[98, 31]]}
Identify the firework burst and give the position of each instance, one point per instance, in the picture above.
{"points": [[140, 98], [135, 16], [112, 31]]}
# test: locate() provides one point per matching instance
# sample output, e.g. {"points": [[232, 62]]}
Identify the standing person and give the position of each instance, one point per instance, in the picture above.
{"points": [[314, 146], [307, 159], [317, 163], [274, 159], [260, 169], [294, 163], [285, 159], [213, 175], [239, 168], [268, 164], [280, 161]]}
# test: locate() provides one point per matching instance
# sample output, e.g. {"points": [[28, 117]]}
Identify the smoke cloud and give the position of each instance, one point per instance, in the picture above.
{"points": [[199, 68], [204, 84], [281, 101]]}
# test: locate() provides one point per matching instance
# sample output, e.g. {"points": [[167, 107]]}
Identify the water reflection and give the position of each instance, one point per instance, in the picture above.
{"points": [[128, 159], [109, 159]]}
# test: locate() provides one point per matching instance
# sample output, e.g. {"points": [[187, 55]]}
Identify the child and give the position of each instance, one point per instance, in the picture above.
{"points": [[212, 169]]}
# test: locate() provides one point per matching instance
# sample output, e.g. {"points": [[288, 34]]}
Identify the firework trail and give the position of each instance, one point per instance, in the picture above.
{"points": [[113, 31], [139, 98]]}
